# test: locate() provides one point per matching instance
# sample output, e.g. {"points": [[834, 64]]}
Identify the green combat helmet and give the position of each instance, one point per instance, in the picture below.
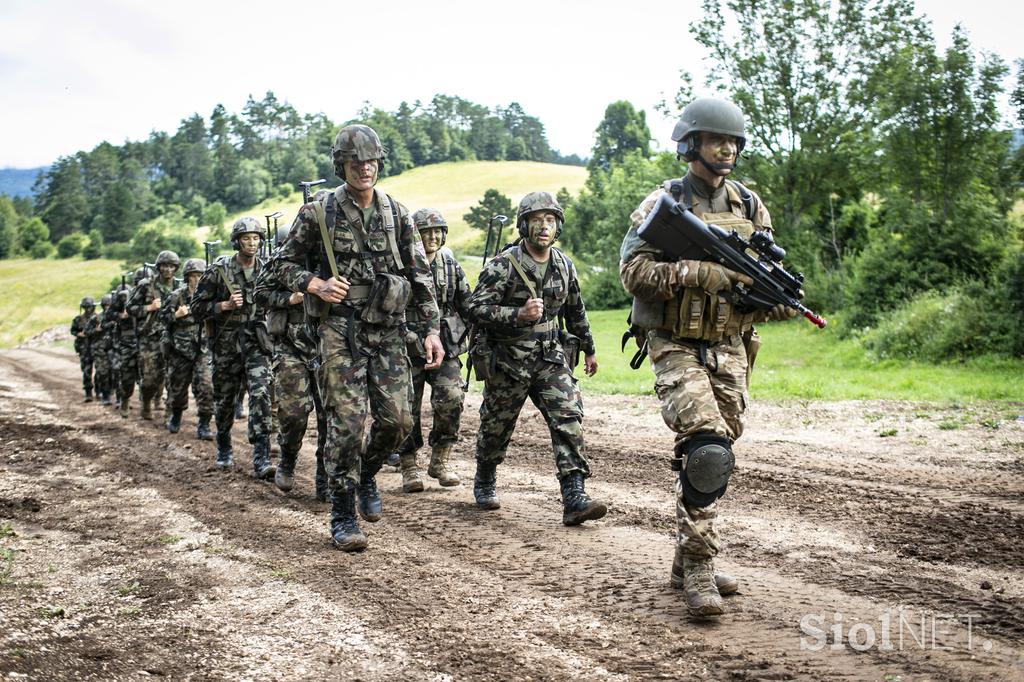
{"points": [[245, 225], [168, 258], [427, 218], [106, 300], [193, 265], [359, 143], [708, 115], [87, 303], [538, 201]]}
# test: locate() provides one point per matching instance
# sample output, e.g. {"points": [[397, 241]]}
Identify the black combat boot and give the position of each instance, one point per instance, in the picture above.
{"points": [[174, 421], [88, 395], [261, 466], [147, 409], [370, 507], [577, 505], [284, 479], [203, 429], [106, 399], [345, 531], [485, 485], [321, 478], [225, 454]]}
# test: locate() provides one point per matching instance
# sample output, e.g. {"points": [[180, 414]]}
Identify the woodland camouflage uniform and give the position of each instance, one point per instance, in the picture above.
{"points": [[87, 323], [125, 355], [102, 342], [150, 330]]}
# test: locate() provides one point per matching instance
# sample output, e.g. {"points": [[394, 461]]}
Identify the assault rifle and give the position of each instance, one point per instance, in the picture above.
{"points": [[306, 186], [473, 332], [208, 246], [269, 244], [680, 234]]}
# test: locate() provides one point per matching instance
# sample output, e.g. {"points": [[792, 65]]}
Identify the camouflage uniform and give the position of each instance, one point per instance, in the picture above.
{"points": [[187, 361], [151, 331], [238, 355], [102, 342], [125, 355], [86, 323]]}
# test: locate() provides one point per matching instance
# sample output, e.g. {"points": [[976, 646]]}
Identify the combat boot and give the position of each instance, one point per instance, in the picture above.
{"points": [[577, 506], [106, 400], [174, 421], [262, 469], [394, 460], [485, 485], [440, 468], [725, 583], [88, 395], [702, 597], [225, 455], [239, 410], [370, 507], [123, 408], [147, 408], [284, 479], [411, 480], [203, 429], [345, 531], [158, 403], [321, 478]]}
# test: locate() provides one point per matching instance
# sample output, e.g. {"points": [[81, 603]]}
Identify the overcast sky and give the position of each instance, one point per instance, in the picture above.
{"points": [[77, 73]]}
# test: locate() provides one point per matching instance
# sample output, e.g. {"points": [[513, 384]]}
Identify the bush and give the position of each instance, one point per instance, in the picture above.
{"points": [[94, 249], [602, 290], [71, 245], [42, 249], [117, 250]]}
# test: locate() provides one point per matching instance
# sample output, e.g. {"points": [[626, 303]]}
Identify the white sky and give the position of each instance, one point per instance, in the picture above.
{"points": [[75, 73]]}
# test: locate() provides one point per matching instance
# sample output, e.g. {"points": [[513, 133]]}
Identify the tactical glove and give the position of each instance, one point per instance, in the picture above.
{"points": [[779, 312], [711, 277]]}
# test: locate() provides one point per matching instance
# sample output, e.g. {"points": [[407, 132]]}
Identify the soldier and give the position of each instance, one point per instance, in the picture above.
{"points": [[240, 345], [520, 301], [701, 347], [186, 354], [84, 328], [145, 306], [125, 356], [374, 263], [447, 393], [295, 382], [101, 344]]}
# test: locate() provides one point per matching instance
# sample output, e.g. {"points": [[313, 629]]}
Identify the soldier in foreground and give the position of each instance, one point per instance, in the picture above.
{"points": [[358, 252], [83, 329], [447, 394], [145, 306], [702, 348], [522, 295], [240, 344], [187, 361]]}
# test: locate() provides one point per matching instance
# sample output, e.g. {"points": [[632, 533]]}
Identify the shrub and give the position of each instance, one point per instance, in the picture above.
{"points": [[94, 249], [71, 245]]}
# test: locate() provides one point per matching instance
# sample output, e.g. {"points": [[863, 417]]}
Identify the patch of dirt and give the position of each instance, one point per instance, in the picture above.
{"points": [[124, 553]]}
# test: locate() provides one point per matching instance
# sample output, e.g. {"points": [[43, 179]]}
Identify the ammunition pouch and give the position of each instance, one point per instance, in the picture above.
{"points": [[263, 339], [454, 335], [570, 348], [483, 358], [751, 344], [414, 345], [277, 322], [389, 295]]}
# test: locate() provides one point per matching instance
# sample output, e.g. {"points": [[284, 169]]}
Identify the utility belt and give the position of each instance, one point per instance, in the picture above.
{"points": [[541, 331], [701, 345]]}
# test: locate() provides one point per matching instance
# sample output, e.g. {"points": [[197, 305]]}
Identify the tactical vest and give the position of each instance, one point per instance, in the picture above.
{"points": [[247, 312], [554, 296], [693, 313], [151, 325]]}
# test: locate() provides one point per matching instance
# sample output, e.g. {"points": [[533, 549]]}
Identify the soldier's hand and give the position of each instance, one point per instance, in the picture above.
{"points": [[709, 276], [155, 305], [333, 290], [236, 300], [181, 312], [781, 312], [124, 314], [531, 311], [434, 351], [590, 365], [296, 298]]}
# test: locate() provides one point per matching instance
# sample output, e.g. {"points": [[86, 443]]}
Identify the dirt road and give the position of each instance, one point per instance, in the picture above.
{"points": [[876, 541]]}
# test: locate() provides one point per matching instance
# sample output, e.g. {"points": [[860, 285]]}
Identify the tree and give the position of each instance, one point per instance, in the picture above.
{"points": [[494, 203], [61, 201], [94, 249], [9, 222], [34, 237], [622, 130], [71, 245]]}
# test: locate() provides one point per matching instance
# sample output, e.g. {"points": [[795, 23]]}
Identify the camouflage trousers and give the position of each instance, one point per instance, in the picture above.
{"points": [[696, 397], [554, 392], [152, 366], [85, 361], [237, 359], [446, 400], [125, 363], [183, 372], [371, 380], [297, 395], [103, 376]]}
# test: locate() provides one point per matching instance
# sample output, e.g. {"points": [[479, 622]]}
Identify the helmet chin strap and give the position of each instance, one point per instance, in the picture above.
{"points": [[716, 168]]}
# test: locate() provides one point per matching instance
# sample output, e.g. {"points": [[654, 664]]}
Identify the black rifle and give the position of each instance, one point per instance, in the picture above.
{"points": [[268, 245], [209, 251], [306, 186], [675, 230], [500, 220]]}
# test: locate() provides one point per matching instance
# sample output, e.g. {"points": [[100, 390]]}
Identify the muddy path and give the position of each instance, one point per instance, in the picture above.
{"points": [[873, 540]]}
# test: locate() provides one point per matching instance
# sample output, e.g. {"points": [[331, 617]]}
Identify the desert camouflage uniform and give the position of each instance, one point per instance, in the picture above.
{"points": [[237, 354], [187, 361], [699, 355], [150, 330], [87, 323], [530, 360], [365, 367], [447, 394]]}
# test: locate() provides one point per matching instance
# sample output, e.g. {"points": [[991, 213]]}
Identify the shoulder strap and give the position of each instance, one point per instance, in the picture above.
{"points": [[222, 270], [320, 211], [514, 260], [389, 212], [746, 197]]}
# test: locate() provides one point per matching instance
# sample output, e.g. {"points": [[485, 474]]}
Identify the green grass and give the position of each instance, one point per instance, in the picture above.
{"points": [[39, 294], [800, 361]]}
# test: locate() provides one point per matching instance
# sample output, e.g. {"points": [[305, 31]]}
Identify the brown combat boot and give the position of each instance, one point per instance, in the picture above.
{"points": [[147, 408], [411, 480], [725, 583], [702, 597], [440, 468]]}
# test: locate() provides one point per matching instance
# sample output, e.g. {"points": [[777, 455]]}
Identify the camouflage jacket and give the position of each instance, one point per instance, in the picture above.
{"points": [[88, 323], [661, 301], [104, 339], [452, 289], [213, 289], [500, 292], [361, 252], [149, 324], [122, 329], [185, 334], [287, 322]]}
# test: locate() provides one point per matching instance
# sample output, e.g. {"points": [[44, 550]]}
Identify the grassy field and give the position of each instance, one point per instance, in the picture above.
{"points": [[800, 361]]}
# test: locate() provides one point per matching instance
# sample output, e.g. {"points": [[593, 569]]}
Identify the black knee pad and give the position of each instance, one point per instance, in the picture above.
{"points": [[706, 463]]}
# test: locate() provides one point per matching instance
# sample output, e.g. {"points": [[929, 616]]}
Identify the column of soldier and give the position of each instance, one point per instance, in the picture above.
{"points": [[361, 304]]}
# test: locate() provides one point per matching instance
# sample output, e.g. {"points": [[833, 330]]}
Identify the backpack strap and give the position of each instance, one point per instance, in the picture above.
{"points": [[389, 213], [746, 197], [514, 260], [321, 218], [222, 270]]}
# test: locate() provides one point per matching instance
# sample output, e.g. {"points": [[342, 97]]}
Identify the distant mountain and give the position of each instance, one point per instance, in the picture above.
{"points": [[17, 182]]}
